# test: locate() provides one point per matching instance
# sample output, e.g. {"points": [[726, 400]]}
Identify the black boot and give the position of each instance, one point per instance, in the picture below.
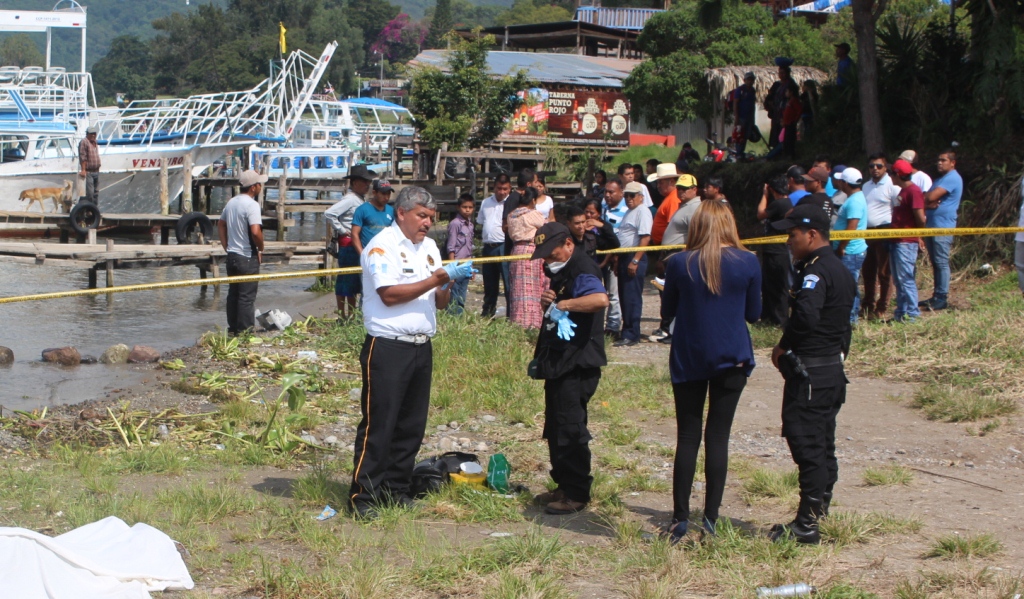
{"points": [[826, 501], [804, 529]]}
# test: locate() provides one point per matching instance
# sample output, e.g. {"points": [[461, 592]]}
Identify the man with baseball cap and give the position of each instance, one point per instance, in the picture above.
{"points": [[814, 184], [815, 342], [374, 216], [918, 177], [633, 232], [853, 216], [240, 229], [89, 165], [907, 213], [568, 358], [339, 227]]}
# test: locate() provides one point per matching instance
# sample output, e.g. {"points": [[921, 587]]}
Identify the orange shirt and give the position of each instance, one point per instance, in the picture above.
{"points": [[668, 207]]}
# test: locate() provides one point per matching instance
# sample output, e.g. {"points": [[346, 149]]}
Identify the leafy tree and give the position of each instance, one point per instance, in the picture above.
{"points": [[440, 24], [125, 69], [464, 105], [20, 50], [684, 42], [401, 40], [370, 16], [527, 12]]}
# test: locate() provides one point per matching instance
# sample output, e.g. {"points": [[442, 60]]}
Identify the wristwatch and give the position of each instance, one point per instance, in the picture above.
{"points": [[634, 261]]}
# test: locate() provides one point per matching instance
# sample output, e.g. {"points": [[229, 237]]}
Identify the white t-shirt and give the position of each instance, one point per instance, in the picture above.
{"points": [[880, 197], [392, 259], [490, 218], [922, 180], [239, 214], [634, 225], [545, 206]]}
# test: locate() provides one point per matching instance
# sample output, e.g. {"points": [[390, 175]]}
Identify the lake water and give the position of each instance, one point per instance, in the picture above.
{"points": [[166, 320]]}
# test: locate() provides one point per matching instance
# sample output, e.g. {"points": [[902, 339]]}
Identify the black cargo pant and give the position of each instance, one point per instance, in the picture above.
{"points": [[809, 410], [565, 429], [396, 395], [241, 306]]}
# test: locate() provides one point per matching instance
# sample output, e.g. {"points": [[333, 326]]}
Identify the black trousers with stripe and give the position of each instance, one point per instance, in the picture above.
{"points": [[396, 395]]}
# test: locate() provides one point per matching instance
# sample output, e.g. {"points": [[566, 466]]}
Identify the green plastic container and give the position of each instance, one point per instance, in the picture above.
{"points": [[498, 472]]}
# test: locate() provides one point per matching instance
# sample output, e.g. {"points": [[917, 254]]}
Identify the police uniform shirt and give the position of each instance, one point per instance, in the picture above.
{"points": [[820, 305], [392, 259]]}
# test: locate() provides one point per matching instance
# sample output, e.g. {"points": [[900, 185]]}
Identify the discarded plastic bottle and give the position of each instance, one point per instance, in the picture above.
{"points": [[799, 589]]}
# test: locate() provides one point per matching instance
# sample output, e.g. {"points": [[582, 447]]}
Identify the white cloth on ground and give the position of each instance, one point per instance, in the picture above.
{"points": [[102, 560]]}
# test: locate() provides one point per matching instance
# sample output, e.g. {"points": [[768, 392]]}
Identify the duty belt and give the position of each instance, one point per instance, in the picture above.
{"points": [[814, 361], [419, 339]]}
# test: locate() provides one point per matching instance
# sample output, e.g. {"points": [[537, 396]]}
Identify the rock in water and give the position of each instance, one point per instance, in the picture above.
{"points": [[6, 356], [116, 354], [65, 356], [141, 354]]}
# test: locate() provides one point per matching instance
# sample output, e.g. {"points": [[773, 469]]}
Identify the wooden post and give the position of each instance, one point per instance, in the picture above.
{"points": [[91, 237], [92, 277], [439, 164], [110, 264], [282, 193], [164, 193], [186, 193]]}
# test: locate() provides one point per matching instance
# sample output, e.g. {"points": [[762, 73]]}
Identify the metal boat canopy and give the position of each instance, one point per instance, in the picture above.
{"points": [[71, 15]]}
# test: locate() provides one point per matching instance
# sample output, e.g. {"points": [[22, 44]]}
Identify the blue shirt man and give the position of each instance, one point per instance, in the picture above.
{"points": [[941, 204], [374, 216]]}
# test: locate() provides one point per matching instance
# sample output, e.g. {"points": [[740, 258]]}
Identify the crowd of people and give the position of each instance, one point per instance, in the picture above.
{"points": [[577, 298]]}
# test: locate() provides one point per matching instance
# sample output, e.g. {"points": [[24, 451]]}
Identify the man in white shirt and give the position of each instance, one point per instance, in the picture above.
{"points": [[490, 219], [241, 235], [405, 286], [917, 177], [339, 227], [633, 231], [880, 193]]}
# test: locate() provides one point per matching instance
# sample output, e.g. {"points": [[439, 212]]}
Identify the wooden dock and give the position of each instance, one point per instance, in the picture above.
{"points": [[109, 257]]}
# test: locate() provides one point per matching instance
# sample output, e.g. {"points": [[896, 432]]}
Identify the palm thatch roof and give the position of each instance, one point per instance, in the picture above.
{"points": [[725, 79]]}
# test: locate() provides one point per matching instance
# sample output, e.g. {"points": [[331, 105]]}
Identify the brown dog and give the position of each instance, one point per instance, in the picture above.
{"points": [[60, 196]]}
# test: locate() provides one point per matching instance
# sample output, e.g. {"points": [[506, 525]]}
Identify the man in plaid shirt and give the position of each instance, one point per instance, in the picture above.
{"points": [[89, 161], [460, 247]]}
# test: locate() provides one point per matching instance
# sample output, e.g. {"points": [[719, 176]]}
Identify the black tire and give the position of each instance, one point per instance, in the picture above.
{"points": [[190, 226], [84, 216], [501, 165], [451, 167]]}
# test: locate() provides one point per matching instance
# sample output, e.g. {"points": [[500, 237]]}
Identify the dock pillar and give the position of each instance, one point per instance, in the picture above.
{"points": [[92, 278], [110, 264], [91, 237], [165, 208], [282, 194], [186, 192]]}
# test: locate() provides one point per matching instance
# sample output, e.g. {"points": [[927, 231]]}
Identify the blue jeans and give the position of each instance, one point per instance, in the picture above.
{"points": [[493, 273], [458, 302], [938, 252], [853, 264], [903, 262], [631, 297]]}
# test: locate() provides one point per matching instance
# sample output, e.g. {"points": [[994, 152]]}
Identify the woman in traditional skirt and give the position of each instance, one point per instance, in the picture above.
{"points": [[528, 280]]}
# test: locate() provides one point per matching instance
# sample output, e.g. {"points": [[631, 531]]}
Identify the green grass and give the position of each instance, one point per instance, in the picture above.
{"points": [[887, 475], [956, 546], [845, 528], [764, 483], [961, 404]]}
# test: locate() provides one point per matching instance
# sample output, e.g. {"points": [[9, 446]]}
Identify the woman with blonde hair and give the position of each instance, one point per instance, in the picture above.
{"points": [[712, 289]]}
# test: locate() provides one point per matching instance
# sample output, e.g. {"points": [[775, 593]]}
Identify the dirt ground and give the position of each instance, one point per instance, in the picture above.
{"points": [[973, 483]]}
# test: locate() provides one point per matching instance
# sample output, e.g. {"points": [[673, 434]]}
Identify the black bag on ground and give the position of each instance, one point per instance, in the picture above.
{"points": [[430, 474]]}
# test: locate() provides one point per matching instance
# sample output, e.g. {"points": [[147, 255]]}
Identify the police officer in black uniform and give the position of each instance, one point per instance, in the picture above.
{"points": [[810, 357], [569, 357]]}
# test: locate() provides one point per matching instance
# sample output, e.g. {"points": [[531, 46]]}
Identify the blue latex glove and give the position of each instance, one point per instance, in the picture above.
{"points": [[565, 324], [460, 270]]}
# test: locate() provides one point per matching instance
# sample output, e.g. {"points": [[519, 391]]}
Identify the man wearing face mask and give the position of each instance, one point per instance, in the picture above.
{"points": [[568, 358]]}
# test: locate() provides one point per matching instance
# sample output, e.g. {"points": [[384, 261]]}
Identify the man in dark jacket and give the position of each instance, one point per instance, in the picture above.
{"points": [[569, 357], [810, 355]]}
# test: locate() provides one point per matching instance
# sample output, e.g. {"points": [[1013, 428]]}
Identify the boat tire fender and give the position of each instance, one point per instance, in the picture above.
{"points": [[190, 224], [84, 216]]}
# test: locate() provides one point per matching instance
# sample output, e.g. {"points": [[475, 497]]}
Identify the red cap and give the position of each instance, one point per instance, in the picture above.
{"points": [[902, 168]]}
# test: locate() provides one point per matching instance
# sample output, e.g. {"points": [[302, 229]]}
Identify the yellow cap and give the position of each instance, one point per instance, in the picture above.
{"points": [[686, 181]]}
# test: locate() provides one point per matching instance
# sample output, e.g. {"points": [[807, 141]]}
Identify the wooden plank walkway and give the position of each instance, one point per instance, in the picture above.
{"points": [[111, 257]]}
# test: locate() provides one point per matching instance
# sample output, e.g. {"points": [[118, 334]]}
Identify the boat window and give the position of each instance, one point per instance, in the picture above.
{"points": [[324, 162], [53, 148], [278, 163], [319, 135], [302, 162], [13, 147], [390, 117]]}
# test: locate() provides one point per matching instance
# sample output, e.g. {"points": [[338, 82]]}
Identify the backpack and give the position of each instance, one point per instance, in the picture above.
{"points": [[432, 473]]}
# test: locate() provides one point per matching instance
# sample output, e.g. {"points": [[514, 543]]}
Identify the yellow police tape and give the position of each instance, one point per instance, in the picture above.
{"points": [[323, 272]]}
